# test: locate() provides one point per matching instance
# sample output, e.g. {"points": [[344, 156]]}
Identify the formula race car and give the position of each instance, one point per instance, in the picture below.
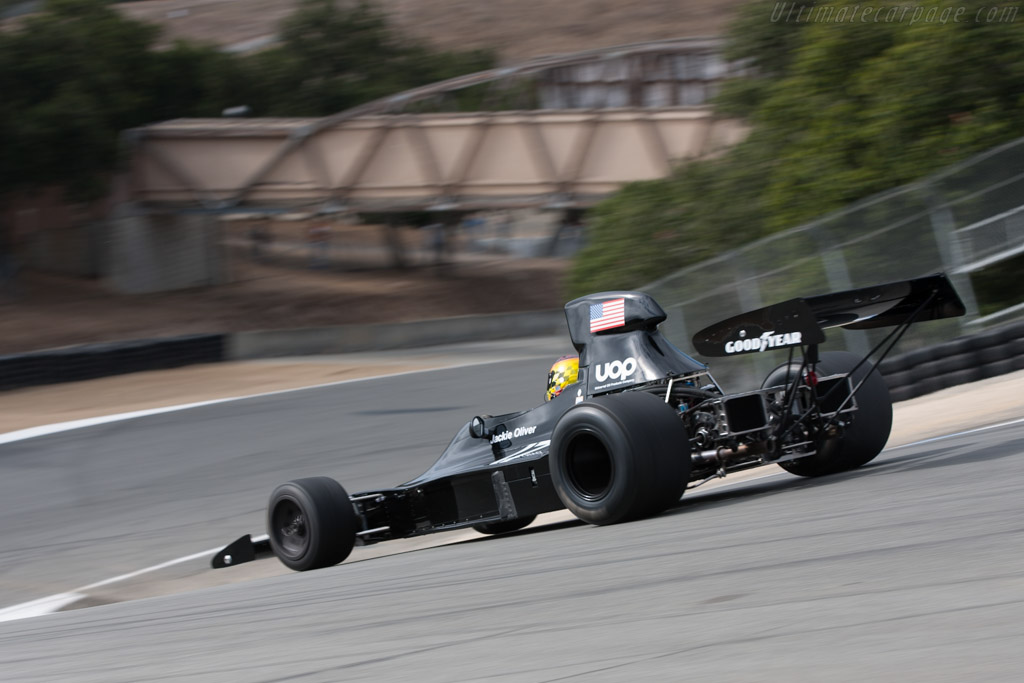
{"points": [[642, 422]]}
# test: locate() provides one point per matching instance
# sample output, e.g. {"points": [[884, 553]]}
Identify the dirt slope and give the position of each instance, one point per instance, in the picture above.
{"points": [[51, 311], [517, 29]]}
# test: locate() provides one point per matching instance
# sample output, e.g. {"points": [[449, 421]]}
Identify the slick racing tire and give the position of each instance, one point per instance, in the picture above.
{"points": [[504, 526], [864, 437], [311, 523], [620, 457]]}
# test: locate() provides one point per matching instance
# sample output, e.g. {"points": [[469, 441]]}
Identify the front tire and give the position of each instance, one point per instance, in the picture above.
{"points": [[620, 457], [311, 523], [864, 438]]}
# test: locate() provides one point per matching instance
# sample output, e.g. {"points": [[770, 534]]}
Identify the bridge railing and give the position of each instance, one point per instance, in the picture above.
{"points": [[960, 221]]}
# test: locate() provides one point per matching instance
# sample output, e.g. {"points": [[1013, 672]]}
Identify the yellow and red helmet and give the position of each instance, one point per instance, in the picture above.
{"points": [[564, 372]]}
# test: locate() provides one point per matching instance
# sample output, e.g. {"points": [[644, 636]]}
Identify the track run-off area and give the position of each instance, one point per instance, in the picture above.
{"points": [[910, 568]]}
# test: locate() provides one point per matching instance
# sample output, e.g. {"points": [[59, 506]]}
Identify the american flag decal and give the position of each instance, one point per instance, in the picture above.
{"points": [[607, 314]]}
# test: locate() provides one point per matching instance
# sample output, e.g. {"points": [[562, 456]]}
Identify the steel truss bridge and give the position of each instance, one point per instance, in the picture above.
{"points": [[590, 122]]}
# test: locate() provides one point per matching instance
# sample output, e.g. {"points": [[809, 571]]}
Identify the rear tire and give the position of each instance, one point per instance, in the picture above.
{"points": [[864, 438], [504, 526], [311, 523], [620, 457]]}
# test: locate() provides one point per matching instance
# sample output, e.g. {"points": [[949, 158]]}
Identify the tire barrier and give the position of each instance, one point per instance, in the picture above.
{"points": [[959, 361], [89, 361], [75, 363], [915, 373]]}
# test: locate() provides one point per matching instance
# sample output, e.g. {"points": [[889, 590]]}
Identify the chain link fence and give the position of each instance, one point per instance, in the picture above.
{"points": [[960, 221]]}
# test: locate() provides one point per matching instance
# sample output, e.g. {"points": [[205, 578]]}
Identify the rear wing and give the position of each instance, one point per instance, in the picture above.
{"points": [[802, 321]]}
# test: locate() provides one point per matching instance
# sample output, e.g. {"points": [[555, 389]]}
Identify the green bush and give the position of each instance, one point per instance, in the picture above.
{"points": [[839, 111]]}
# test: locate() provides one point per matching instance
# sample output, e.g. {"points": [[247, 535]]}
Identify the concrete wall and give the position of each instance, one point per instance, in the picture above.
{"points": [[45, 230], [155, 252], [66, 249], [351, 338]]}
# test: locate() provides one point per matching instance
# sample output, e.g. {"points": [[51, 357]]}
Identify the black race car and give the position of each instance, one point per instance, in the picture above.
{"points": [[643, 422]]}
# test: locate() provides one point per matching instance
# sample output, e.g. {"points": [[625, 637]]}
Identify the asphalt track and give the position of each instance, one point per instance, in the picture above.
{"points": [[911, 568]]}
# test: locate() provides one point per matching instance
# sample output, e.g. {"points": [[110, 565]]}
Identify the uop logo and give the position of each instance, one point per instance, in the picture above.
{"points": [[617, 369], [768, 340]]}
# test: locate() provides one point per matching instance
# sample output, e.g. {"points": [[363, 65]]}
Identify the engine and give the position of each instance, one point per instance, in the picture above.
{"points": [[740, 431]]}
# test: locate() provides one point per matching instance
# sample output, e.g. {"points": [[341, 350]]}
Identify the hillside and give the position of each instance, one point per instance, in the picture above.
{"points": [[46, 311], [516, 29], [40, 310]]}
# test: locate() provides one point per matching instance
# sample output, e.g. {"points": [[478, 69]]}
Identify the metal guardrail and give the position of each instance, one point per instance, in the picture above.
{"points": [[961, 220], [991, 240]]}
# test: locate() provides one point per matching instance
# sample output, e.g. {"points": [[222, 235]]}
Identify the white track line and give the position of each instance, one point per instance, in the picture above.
{"points": [[38, 608], [956, 434], [44, 430], [54, 603]]}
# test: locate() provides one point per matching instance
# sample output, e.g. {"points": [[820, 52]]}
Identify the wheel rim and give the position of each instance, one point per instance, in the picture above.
{"points": [[288, 526], [589, 467]]}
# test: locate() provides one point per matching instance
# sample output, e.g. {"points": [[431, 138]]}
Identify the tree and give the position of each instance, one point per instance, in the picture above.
{"points": [[840, 109], [335, 55], [72, 77], [78, 73]]}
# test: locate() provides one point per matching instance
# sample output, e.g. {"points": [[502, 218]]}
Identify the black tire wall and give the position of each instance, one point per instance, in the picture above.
{"points": [[966, 359], [76, 363]]}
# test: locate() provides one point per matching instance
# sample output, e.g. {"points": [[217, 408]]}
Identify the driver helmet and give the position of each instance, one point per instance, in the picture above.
{"points": [[563, 373]]}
